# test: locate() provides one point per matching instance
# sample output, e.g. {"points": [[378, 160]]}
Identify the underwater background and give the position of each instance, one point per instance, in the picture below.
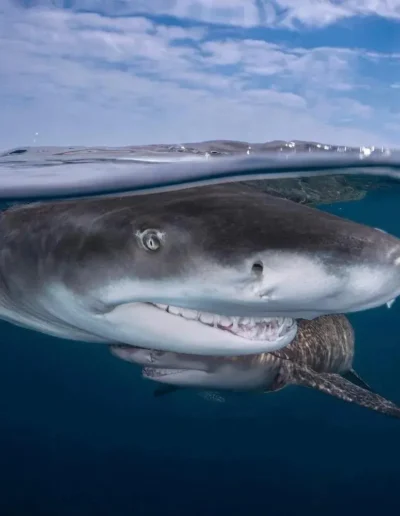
{"points": [[82, 434]]}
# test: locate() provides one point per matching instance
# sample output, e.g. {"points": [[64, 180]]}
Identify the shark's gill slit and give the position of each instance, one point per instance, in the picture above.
{"points": [[266, 328]]}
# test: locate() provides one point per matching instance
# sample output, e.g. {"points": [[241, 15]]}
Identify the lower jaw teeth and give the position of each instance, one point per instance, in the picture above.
{"points": [[249, 328]]}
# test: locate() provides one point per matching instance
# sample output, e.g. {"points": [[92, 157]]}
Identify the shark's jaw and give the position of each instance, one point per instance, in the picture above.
{"points": [[145, 324], [179, 377], [227, 378], [158, 373], [269, 329], [169, 328]]}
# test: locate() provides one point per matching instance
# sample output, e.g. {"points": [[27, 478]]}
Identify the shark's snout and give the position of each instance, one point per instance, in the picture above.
{"points": [[375, 279], [357, 271], [393, 256]]}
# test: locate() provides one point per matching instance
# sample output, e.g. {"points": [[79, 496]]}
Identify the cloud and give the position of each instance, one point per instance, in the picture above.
{"points": [[243, 13], [113, 78], [320, 13], [234, 12]]}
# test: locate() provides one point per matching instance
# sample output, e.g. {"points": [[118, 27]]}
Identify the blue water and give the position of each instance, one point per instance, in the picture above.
{"points": [[81, 434]]}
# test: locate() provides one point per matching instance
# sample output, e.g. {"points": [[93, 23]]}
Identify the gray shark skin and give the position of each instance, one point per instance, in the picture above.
{"points": [[218, 270], [319, 356]]}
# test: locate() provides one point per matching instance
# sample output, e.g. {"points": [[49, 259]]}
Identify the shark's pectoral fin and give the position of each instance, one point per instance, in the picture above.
{"points": [[337, 386], [355, 378], [163, 390]]}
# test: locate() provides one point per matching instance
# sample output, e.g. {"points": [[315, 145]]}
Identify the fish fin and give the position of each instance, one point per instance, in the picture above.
{"points": [[336, 385], [163, 390], [355, 378]]}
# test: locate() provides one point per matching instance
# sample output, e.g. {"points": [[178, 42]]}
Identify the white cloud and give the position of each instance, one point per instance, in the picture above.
{"points": [[86, 79], [235, 12], [243, 13], [325, 12]]}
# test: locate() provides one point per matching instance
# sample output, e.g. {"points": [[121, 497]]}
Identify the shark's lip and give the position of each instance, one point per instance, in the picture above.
{"points": [[249, 328]]}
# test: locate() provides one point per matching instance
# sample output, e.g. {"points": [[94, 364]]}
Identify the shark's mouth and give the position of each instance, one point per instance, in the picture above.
{"points": [[157, 372], [250, 328]]}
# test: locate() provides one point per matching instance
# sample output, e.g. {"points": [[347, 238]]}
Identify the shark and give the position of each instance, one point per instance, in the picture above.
{"points": [[221, 270], [320, 357]]}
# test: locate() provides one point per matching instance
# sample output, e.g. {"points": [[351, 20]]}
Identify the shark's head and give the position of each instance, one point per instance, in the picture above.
{"points": [[215, 270]]}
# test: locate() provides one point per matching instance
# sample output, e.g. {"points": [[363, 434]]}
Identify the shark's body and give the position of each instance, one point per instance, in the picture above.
{"points": [[319, 357], [218, 270]]}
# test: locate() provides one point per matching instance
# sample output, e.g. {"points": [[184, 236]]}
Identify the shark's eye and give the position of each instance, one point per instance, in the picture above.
{"points": [[150, 239]]}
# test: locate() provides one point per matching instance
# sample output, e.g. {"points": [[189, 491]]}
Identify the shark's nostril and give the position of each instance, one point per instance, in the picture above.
{"points": [[257, 268]]}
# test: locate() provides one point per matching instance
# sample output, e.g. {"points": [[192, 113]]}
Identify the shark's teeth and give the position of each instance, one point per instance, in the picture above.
{"points": [[173, 310], [189, 314], [206, 318], [253, 328]]}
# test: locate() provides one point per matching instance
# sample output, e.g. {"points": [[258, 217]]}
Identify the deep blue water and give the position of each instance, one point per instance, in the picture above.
{"points": [[81, 434]]}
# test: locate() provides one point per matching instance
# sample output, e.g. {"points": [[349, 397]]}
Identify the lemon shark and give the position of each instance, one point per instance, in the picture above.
{"points": [[216, 270]]}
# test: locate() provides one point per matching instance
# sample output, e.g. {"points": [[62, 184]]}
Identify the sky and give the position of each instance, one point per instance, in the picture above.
{"points": [[126, 72]]}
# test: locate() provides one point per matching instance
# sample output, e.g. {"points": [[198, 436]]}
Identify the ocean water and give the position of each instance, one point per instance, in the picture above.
{"points": [[82, 434]]}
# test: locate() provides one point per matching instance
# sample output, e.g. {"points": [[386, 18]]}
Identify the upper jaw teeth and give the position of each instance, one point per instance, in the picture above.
{"points": [[252, 328]]}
